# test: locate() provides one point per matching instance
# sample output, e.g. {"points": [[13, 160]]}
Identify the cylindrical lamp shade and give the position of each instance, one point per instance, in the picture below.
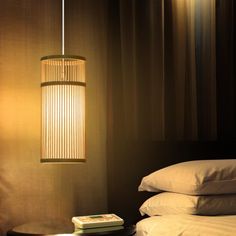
{"points": [[63, 109]]}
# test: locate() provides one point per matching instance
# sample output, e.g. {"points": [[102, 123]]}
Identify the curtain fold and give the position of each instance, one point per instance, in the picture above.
{"points": [[180, 66], [141, 65]]}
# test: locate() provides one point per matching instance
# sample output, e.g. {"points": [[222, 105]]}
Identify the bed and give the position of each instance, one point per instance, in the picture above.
{"points": [[196, 198], [187, 225]]}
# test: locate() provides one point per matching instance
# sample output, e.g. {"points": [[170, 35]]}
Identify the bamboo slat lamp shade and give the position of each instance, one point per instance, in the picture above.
{"points": [[63, 108]]}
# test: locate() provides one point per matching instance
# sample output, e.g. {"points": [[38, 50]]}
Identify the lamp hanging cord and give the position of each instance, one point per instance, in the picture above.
{"points": [[63, 28]]}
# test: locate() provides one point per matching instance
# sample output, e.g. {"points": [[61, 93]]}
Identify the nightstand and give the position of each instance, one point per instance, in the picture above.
{"points": [[63, 227]]}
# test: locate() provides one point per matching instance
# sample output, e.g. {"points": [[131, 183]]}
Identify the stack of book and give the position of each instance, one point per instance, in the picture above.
{"points": [[97, 223]]}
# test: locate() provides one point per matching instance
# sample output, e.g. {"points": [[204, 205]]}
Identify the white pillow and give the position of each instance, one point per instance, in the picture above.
{"points": [[176, 203], [194, 177]]}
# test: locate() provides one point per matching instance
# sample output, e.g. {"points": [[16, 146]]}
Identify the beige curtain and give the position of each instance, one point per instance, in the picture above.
{"points": [[162, 82]]}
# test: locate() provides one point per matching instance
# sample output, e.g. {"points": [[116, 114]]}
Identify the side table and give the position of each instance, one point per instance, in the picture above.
{"points": [[63, 227]]}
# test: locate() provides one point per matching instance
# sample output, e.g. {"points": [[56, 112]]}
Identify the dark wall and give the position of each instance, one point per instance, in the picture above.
{"points": [[31, 191]]}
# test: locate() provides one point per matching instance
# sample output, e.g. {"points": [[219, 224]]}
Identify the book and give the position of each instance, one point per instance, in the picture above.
{"points": [[96, 221]]}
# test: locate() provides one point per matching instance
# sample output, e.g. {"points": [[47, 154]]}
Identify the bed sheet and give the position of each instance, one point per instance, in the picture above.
{"points": [[187, 225]]}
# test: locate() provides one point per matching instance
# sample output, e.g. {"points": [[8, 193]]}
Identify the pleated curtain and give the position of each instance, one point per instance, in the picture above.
{"points": [[170, 70]]}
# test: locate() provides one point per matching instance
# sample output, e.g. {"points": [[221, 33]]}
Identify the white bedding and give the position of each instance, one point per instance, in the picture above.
{"points": [[187, 225]]}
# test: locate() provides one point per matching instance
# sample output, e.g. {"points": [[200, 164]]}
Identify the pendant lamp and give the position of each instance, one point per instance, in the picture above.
{"points": [[63, 106]]}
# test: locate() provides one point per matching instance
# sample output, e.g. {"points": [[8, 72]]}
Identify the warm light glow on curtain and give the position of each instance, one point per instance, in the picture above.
{"points": [[63, 109]]}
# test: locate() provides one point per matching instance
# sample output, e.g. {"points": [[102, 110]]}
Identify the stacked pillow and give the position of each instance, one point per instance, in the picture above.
{"points": [[204, 187]]}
